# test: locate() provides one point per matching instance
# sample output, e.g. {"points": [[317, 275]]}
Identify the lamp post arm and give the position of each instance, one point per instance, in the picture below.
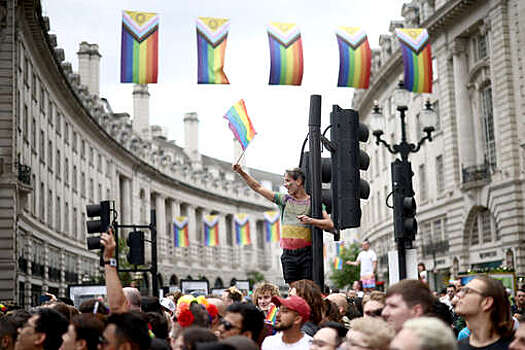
{"points": [[428, 137], [379, 141]]}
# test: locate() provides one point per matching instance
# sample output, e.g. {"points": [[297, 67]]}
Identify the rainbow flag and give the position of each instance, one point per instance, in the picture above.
{"points": [[338, 263], [242, 229], [211, 230], [339, 248], [355, 57], [139, 47], [180, 231], [211, 46], [240, 124], [286, 52], [270, 316], [417, 58], [272, 226]]}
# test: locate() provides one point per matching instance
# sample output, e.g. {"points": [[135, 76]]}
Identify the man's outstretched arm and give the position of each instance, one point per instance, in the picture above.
{"points": [[116, 297], [253, 184]]}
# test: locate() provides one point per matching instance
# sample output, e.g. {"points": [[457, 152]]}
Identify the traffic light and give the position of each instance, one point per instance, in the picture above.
{"points": [[347, 187], [326, 195], [101, 210], [135, 243], [405, 224]]}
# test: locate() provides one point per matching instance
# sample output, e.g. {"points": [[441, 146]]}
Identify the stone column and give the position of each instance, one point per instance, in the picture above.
{"points": [[141, 110], [125, 200], [466, 134], [160, 209]]}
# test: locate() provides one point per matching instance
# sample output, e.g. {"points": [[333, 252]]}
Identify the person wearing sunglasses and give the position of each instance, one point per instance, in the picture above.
{"points": [[484, 305], [241, 319]]}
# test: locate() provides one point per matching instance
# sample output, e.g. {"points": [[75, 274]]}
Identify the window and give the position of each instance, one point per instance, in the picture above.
{"points": [[50, 154], [33, 134], [440, 181], [42, 146], [66, 217], [50, 110], [100, 192], [57, 164], [482, 227], [488, 127], [42, 97], [91, 190], [58, 213], [482, 46], [26, 71], [50, 208], [26, 122], [99, 162], [91, 156], [42, 201], [66, 171], [33, 195], [83, 149], [486, 229], [75, 183], [422, 183], [108, 168], [75, 223], [58, 121], [75, 141], [66, 132], [435, 107], [33, 86], [18, 115], [438, 233], [83, 184]]}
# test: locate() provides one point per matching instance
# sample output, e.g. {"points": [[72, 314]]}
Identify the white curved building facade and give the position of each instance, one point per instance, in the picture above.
{"points": [[62, 148]]}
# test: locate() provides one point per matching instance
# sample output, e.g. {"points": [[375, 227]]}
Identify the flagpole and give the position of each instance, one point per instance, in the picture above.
{"points": [[242, 154]]}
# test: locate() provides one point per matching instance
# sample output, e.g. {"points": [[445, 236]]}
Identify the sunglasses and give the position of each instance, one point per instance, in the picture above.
{"points": [[374, 313], [227, 324]]}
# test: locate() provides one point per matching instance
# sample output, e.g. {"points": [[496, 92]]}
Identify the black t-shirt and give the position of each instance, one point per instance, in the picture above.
{"points": [[501, 344]]}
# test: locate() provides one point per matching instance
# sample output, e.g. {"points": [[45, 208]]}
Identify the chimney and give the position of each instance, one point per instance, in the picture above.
{"points": [[191, 137], [141, 110], [89, 67]]}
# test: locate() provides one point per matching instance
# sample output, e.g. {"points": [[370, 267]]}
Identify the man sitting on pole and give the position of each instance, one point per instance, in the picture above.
{"points": [[296, 235]]}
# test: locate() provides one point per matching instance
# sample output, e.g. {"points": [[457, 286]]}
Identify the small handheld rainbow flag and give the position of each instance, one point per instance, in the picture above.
{"points": [[272, 226], [180, 231], [271, 315], [338, 263], [417, 59], [211, 230], [240, 124], [286, 52], [242, 229], [211, 46], [339, 248], [355, 57], [139, 47]]}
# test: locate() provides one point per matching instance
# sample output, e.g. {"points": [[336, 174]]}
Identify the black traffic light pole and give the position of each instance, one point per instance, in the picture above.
{"points": [[314, 125], [154, 268]]}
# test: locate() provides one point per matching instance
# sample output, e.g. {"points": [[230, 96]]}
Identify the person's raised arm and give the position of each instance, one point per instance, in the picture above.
{"points": [[116, 297], [253, 184]]}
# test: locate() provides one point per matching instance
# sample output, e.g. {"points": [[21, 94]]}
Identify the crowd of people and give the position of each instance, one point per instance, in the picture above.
{"points": [[407, 316]]}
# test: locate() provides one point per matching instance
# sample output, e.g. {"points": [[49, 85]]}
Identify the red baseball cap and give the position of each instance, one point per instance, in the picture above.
{"points": [[295, 303]]}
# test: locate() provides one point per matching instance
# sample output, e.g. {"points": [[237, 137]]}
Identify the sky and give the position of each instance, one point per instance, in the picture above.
{"points": [[279, 113]]}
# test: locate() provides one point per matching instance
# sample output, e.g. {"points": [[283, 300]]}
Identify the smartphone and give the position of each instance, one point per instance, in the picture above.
{"points": [[43, 299]]}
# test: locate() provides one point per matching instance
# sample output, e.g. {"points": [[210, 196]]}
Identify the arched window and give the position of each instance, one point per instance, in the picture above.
{"points": [[483, 229], [487, 115]]}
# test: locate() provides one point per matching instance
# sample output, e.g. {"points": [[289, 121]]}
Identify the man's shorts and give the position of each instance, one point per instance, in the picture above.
{"points": [[369, 283], [297, 264]]}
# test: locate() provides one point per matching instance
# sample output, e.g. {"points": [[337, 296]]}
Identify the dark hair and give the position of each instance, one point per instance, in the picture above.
{"points": [[500, 316], [330, 312], [132, 328], [150, 304], [7, 328], [89, 328], [159, 344], [422, 264], [234, 294], [214, 346], [88, 306], [65, 310], [240, 343], [340, 329], [413, 292], [451, 286], [442, 311], [66, 301], [53, 325], [193, 335], [159, 324], [252, 318], [295, 173], [311, 293], [200, 315], [18, 318]]}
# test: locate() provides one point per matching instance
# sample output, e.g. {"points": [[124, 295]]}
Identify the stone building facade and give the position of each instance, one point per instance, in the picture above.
{"points": [[469, 179], [62, 147]]}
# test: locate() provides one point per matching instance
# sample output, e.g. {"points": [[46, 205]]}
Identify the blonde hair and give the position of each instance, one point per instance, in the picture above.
{"points": [[378, 333], [376, 295], [431, 333], [264, 287]]}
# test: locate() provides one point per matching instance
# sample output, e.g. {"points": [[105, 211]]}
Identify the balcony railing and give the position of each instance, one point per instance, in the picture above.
{"points": [[476, 173]]}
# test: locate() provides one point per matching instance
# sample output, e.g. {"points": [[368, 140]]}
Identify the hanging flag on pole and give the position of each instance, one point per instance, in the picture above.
{"points": [[211, 230], [211, 46], [242, 229], [286, 52], [272, 226], [240, 124], [417, 59], [139, 47], [180, 231], [355, 57]]}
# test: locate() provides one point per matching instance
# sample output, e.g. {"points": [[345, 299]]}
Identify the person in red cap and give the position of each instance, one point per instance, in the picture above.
{"points": [[293, 313]]}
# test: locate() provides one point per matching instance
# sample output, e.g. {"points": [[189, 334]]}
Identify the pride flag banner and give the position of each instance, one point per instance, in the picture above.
{"points": [[240, 124], [286, 52], [180, 231], [272, 313], [211, 46], [272, 226], [339, 248], [355, 57], [417, 59], [211, 230], [139, 47], [338, 263], [242, 229]]}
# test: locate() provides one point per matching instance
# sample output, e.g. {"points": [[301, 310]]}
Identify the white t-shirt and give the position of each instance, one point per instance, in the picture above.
{"points": [[366, 258], [275, 342]]}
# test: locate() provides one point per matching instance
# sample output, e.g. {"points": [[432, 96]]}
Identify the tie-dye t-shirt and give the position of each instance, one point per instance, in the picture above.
{"points": [[294, 234]]}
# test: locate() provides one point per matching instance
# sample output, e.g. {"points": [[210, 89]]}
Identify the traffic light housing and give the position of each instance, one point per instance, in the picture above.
{"points": [[347, 187], [326, 195], [103, 212], [405, 223], [135, 243]]}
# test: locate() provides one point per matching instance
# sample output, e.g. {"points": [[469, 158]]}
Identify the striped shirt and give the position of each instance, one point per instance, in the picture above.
{"points": [[294, 234]]}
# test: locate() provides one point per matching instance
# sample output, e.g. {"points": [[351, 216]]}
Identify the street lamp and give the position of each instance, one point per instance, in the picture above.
{"points": [[405, 225]]}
